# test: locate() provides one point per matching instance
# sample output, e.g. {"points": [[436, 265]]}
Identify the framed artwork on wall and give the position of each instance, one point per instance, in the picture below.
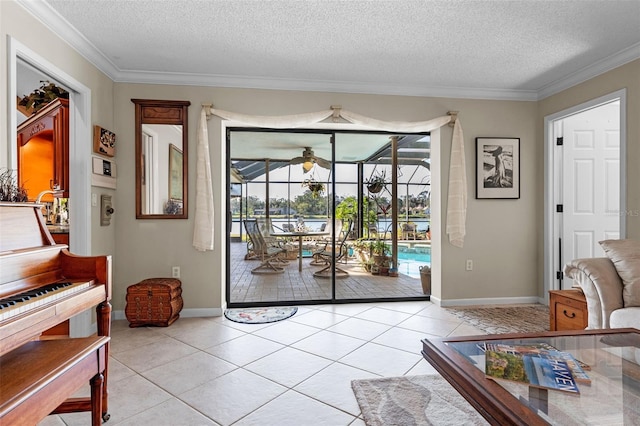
{"points": [[104, 141], [498, 168], [175, 172]]}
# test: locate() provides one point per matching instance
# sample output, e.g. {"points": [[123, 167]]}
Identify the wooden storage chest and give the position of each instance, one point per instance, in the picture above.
{"points": [[154, 301]]}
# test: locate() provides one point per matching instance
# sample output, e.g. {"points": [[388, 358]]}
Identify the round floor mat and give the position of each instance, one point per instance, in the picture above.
{"points": [[260, 315]]}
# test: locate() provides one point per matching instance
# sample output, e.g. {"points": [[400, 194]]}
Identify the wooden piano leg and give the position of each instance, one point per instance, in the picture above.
{"points": [[103, 313], [97, 387]]}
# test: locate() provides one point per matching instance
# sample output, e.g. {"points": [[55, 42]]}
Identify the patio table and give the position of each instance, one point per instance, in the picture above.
{"points": [[300, 236]]}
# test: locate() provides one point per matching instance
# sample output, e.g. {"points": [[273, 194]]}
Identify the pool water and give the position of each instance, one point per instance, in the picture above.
{"points": [[409, 262]]}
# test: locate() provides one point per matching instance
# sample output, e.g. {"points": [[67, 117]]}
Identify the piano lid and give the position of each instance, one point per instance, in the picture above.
{"points": [[23, 227]]}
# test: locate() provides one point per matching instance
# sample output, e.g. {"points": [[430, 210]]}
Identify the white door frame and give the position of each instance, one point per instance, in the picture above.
{"points": [[550, 173], [79, 153]]}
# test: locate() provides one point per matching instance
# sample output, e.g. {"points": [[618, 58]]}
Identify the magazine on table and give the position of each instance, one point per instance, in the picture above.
{"points": [[539, 365]]}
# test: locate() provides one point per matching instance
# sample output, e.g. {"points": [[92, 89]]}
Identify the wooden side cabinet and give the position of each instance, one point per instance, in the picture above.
{"points": [[43, 150], [567, 310]]}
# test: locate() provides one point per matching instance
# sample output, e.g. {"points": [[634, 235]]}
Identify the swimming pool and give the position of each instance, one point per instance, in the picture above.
{"points": [[409, 262]]}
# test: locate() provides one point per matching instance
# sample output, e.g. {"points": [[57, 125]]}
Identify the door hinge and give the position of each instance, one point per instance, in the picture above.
{"points": [[559, 275], [559, 141], [559, 208]]}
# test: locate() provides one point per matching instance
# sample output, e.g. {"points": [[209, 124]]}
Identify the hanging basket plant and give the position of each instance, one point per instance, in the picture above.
{"points": [[42, 96], [377, 182], [316, 188]]}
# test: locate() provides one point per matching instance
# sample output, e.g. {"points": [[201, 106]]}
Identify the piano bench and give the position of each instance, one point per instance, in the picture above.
{"points": [[39, 377], [154, 301]]}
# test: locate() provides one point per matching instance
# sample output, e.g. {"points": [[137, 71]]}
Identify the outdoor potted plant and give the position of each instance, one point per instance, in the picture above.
{"points": [[380, 251], [316, 188], [377, 182], [362, 248]]}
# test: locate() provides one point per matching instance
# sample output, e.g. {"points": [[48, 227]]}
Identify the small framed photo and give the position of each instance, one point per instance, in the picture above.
{"points": [[498, 168], [104, 141]]}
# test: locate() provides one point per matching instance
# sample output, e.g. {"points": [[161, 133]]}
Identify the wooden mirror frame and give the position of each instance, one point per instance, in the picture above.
{"points": [[149, 111]]}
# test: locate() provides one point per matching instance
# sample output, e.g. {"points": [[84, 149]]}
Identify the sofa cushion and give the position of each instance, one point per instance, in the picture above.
{"points": [[625, 255], [625, 317]]}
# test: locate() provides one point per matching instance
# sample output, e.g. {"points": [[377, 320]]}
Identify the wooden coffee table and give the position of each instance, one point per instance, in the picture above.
{"points": [[613, 397]]}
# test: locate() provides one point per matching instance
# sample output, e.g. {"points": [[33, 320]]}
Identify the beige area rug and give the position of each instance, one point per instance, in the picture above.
{"points": [[505, 319], [413, 401]]}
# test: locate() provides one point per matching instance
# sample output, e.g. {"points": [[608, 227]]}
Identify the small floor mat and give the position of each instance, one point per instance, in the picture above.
{"points": [[260, 315]]}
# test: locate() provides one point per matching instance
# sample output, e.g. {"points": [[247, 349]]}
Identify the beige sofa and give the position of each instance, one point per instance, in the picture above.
{"points": [[611, 284]]}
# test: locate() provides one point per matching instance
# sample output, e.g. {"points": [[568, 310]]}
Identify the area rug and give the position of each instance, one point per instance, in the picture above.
{"points": [[505, 319], [260, 315], [413, 401]]}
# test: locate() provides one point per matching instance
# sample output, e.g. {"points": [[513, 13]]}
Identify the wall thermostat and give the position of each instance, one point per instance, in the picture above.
{"points": [[104, 173], [104, 167]]}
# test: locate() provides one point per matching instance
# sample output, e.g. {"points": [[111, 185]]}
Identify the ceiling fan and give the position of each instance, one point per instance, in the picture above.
{"points": [[308, 159]]}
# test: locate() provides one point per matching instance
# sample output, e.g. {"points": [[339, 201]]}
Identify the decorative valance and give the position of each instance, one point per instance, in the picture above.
{"points": [[457, 195]]}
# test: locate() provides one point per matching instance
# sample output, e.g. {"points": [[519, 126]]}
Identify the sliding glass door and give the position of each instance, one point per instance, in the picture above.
{"points": [[326, 234]]}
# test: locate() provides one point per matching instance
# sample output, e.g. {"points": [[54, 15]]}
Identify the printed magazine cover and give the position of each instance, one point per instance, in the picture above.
{"points": [[535, 365]]}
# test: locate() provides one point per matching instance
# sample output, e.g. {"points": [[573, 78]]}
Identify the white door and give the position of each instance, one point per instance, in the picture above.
{"points": [[590, 187]]}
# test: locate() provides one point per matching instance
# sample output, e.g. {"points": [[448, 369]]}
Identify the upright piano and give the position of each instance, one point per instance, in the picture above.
{"points": [[42, 284]]}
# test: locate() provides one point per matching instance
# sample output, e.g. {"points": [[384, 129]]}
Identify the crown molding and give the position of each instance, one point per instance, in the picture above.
{"points": [[60, 26], [51, 19], [600, 67], [212, 80]]}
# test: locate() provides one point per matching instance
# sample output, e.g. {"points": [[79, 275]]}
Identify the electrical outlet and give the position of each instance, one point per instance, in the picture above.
{"points": [[175, 271], [469, 265]]}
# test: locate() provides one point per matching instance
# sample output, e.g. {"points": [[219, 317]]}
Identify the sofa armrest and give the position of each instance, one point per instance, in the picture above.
{"points": [[602, 287]]}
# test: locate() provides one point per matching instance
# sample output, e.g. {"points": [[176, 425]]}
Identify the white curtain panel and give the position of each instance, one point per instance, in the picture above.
{"points": [[203, 222], [457, 195]]}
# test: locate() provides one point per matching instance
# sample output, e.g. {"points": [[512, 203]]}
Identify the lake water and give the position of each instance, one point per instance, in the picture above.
{"points": [[315, 224]]}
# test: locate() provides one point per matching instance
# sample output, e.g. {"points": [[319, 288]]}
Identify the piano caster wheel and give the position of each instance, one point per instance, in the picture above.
{"points": [[105, 417]]}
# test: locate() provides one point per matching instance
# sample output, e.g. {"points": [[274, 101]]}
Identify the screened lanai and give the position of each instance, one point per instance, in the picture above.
{"points": [[311, 192]]}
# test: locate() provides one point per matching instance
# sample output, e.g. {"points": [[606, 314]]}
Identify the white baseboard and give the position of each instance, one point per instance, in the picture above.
{"points": [[185, 313], [488, 301]]}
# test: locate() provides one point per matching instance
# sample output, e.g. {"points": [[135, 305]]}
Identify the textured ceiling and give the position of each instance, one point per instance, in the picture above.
{"points": [[483, 49]]}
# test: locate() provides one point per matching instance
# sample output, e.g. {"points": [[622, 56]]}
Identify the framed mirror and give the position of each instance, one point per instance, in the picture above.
{"points": [[161, 159]]}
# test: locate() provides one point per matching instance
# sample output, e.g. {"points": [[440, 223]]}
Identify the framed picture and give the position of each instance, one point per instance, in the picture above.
{"points": [[497, 168], [104, 141], [175, 173]]}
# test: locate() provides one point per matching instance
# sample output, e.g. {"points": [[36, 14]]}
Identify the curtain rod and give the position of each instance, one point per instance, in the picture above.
{"points": [[454, 117], [336, 113], [207, 109]]}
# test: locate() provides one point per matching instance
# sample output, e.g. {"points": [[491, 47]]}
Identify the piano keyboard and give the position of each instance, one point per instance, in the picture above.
{"points": [[23, 302]]}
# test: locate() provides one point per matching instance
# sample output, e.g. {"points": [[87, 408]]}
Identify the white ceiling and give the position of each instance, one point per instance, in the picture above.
{"points": [[523, 50]]}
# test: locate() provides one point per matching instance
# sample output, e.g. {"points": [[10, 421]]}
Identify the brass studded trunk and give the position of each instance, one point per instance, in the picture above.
{"points": [[154, 301]]}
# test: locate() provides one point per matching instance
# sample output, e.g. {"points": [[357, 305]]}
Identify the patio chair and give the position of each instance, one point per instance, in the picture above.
{"points": [[373, 231], [268, 229], [267, 254], [322, 243], [327, 256], [410, 231]]}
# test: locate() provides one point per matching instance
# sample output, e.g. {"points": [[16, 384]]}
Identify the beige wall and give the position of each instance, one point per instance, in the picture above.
{"points": [[501, 237]]}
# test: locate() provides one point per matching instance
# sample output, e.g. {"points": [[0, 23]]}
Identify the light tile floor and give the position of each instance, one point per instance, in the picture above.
{"points": [[212, 371]]}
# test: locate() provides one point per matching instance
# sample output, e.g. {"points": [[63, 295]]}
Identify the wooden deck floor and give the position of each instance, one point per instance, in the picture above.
{"points": [[294, 285]]}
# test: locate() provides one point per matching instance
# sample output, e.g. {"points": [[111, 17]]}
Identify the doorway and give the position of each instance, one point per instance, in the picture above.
{"points": [[270, 177], [79, 152], [586, 197]]}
